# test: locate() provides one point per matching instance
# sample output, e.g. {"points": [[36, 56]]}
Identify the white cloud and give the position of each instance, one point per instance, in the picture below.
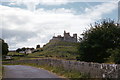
{"points": [[99, 10], [44, 23], [31, 4]]}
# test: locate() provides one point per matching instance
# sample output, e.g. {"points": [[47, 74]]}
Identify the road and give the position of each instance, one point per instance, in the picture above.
{"points": [[20, 71]]}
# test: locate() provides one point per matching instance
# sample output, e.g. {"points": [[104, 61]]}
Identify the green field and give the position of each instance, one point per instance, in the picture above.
{"points": [[14, 53], [60, 49]]}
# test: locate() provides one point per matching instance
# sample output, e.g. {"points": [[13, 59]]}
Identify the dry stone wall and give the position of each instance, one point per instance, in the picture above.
{"points": [[94, 70]]}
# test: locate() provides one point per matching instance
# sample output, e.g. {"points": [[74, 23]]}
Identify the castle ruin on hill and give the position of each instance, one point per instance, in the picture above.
{"points": [[66, 37]]}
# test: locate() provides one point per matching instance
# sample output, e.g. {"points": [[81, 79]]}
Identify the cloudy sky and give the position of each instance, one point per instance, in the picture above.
{"points": [[26, 23]]}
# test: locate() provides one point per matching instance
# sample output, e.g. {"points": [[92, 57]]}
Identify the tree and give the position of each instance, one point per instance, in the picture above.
{"points": [[38, 46], [115, 55], [23, 49], [18, 50], [4, 47], [97, 40]]}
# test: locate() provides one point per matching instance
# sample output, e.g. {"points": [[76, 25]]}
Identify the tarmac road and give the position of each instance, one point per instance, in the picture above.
{"points": [[21, 71]]}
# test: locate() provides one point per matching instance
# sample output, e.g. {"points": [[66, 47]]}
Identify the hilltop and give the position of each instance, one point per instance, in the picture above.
{"points": [[62, 47], [58, 49]]}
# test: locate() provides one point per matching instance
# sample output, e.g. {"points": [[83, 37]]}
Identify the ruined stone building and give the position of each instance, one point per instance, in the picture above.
{"points": [[65, 37]]}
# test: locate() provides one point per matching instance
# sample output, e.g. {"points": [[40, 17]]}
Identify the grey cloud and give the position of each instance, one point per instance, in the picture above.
{"points": [[46, 39], [19, 35], [18, 20]]}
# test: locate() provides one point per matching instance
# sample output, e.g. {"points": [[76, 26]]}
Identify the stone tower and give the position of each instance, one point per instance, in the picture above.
{"points": [[66, 37], [69, 38], [75, 37]]}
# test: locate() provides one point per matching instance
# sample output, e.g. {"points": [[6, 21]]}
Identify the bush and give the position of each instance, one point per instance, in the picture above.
{"points": [[115, 55], [97, 40]]}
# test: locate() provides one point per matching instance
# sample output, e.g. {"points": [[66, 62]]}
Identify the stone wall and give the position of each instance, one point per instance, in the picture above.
{"points": [[94, 70]]}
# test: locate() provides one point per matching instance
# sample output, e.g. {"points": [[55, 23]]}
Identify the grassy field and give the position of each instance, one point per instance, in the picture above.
{"points": [[60, 49], [14, 53]]}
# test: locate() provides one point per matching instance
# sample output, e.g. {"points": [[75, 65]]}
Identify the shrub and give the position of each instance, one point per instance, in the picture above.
{"points": [[97, 40]]}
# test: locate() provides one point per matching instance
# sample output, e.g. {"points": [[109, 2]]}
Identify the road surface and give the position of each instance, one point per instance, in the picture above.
{"points": [[20, 71]]}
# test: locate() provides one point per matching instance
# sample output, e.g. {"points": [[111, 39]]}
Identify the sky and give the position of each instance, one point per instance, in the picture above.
{"points": [[26, 23]]}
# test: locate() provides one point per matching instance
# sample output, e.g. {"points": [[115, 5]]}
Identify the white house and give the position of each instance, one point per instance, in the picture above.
{"points": [[28, 51]]}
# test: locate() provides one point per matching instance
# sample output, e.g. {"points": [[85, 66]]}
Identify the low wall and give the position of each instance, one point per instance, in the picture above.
{"points": [[94, 70]]}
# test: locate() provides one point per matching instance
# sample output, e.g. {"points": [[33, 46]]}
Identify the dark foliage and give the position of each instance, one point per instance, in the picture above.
{"points": [[4, 47], [98, 39], [18, 50], [38, 46]]}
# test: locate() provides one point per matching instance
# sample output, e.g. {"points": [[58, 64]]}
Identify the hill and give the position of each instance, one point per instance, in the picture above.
{"points": [[58, 49]]}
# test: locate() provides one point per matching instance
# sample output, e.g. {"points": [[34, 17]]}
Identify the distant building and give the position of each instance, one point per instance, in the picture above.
{"points": [[66, 37], [26, 50]]}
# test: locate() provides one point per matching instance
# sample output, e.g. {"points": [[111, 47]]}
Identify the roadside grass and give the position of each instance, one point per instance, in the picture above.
{"points": [[60, 71]]}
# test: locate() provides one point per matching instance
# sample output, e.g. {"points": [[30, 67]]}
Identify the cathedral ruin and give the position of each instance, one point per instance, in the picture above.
{"points": [[66, 37]]}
